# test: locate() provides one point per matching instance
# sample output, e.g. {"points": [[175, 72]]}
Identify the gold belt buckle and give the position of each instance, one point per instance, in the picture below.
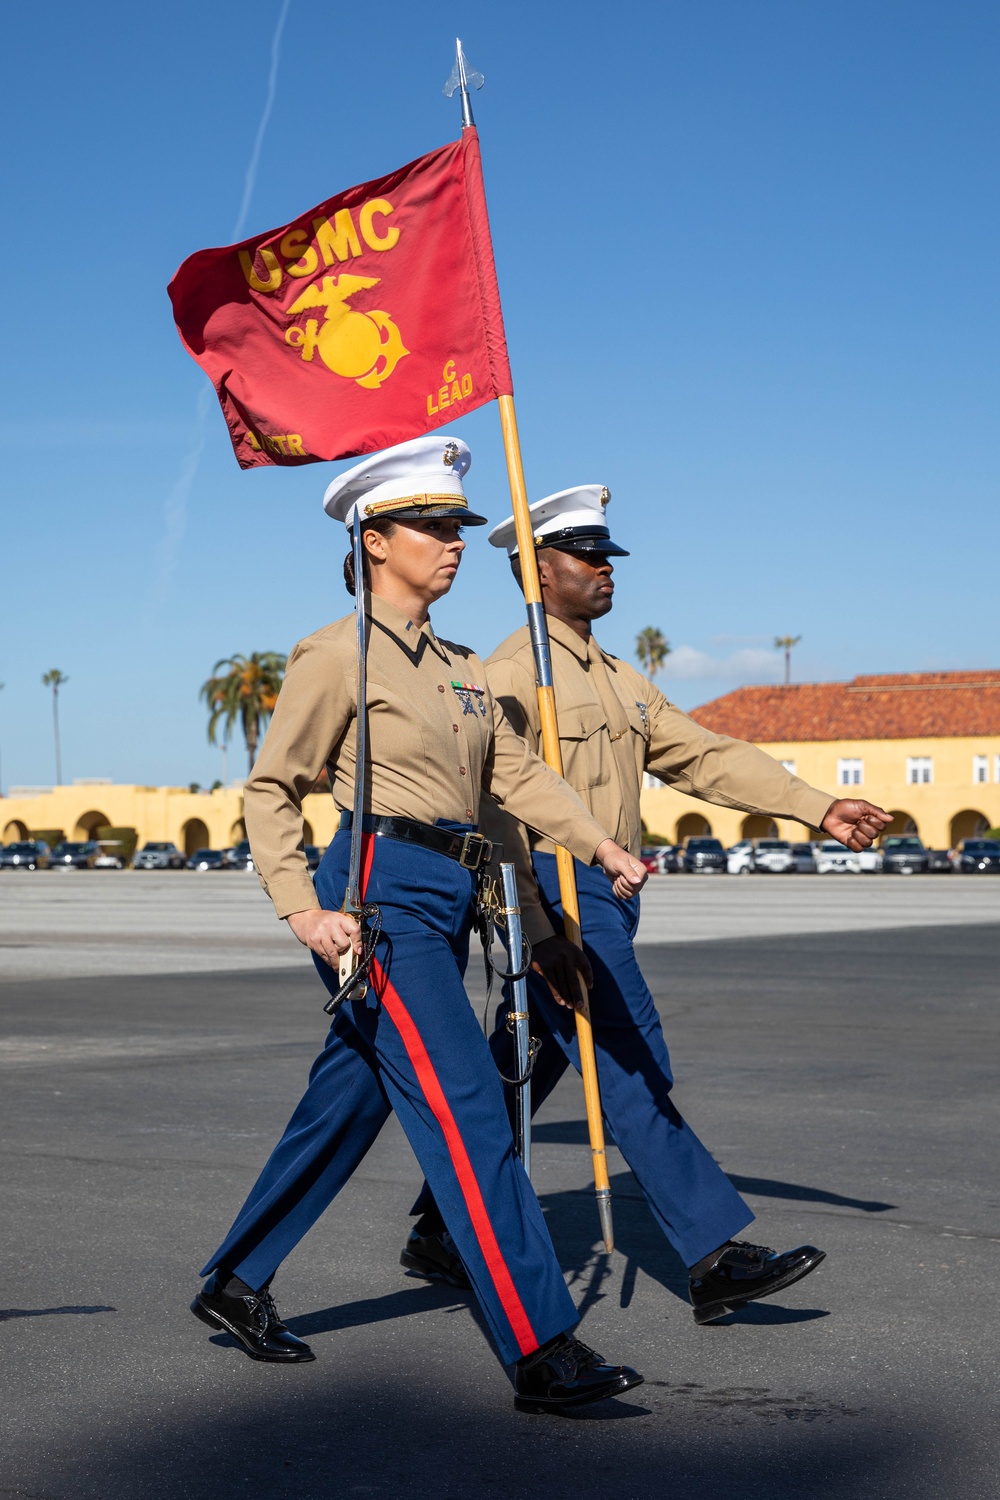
{"points": [[475, 848]]}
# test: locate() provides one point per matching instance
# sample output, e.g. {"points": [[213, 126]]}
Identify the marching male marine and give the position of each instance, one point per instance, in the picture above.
{"points": [[614, 725]]}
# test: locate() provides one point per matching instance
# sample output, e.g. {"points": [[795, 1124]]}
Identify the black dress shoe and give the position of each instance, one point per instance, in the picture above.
{"points": [[565, 1373], [434, 1256], [744, 1272], [253, 1320]]}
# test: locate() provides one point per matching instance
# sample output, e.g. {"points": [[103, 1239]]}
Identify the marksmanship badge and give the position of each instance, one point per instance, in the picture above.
{"points": [[471, 697]]}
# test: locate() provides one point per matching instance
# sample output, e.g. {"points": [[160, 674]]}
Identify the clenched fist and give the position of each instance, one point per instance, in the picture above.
{"points": [[627, 875], [855, 823]]}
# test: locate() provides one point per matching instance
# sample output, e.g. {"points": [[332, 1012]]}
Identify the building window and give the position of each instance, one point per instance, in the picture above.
{"points": [[789, 766], [996, 768], [919, 770], [980, 768], [850, 772]]}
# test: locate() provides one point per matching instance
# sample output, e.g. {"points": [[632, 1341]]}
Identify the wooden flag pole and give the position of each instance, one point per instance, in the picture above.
{"points": [[553, 757], [461, 76]]}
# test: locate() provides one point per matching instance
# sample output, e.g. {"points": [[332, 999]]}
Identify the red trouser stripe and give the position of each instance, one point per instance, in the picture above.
{"points": [[434, 1094]]}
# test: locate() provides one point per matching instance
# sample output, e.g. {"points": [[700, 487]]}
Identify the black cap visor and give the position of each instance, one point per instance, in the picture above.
{"points": [[583, 539], [426, 512]]}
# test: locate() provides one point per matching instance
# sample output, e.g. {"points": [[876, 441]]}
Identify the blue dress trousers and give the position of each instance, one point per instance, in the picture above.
{"points": [[691, 1197], [412, 1045]]}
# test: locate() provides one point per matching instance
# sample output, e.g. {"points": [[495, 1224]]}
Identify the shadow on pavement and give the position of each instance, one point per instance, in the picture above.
{"points": [[767, 1187], [574, 1133], [284, 1436], [46, 1312]]}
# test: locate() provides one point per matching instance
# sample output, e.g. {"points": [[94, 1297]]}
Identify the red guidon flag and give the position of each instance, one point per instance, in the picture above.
{"points": [[369, 320]]}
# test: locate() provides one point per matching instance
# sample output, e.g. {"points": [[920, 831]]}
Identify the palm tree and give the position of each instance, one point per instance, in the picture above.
{"points": [[247, 690], [55, 680], [785, 643], [652, 649]]}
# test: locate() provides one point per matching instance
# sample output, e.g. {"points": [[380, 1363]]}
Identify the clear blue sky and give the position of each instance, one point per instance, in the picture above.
{"points": [[748, 255]]}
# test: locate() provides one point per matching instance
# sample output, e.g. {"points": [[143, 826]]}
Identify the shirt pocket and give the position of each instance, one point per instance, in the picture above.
{"points": [[583, 735]]}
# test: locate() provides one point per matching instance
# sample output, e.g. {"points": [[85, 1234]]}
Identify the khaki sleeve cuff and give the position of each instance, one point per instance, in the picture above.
{"points": [[291, 893], [588, 837], [810, 806]]}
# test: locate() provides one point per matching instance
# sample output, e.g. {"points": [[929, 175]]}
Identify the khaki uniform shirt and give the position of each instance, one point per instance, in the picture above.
{"points": [[614, 725], [436, 737]]}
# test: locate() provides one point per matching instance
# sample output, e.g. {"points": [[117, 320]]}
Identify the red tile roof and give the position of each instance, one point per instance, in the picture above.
{"points": [[915, 705]]}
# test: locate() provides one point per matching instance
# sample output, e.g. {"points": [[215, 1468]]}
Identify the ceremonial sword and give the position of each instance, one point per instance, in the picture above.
{"points": [[351, 981], [518, 1015]]}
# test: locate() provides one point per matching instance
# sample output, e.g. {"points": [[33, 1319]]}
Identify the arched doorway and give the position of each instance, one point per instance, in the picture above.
{"points": [[968, 825], [195, 836], [756, 826], [238, 832], [87, 825], [307, 833], [16, 832], [692, 826], [903, 824]]}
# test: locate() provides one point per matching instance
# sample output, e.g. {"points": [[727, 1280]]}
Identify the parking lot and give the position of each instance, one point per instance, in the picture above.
{"points": [[118, 922], [834, 1041]]}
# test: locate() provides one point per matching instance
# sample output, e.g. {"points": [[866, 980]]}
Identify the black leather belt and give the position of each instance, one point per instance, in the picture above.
{"points": [[471, 850]]}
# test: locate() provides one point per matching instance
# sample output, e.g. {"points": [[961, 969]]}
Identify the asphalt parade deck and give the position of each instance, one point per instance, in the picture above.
{"points": [[845, 1079]]}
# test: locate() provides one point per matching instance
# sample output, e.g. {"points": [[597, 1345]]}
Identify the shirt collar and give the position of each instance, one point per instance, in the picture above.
{"points": [[565, 636], [402, 627]]}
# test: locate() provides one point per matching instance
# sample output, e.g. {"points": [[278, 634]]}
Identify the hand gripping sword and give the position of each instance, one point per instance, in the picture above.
{"points": [[352, 969]]}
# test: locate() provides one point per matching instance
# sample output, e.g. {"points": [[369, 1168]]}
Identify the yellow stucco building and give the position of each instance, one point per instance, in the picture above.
{"points": [[191, 820], [925, 746]]}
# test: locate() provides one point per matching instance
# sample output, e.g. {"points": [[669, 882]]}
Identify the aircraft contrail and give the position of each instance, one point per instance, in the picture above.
{"points": [[175, 506], [251, 177]]}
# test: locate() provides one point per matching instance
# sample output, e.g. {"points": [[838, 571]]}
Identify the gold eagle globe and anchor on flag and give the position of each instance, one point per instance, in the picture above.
{"points": [[369, 320]]}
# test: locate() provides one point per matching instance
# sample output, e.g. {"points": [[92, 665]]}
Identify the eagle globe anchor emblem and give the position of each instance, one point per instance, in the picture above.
{"points": [[364, 347]]}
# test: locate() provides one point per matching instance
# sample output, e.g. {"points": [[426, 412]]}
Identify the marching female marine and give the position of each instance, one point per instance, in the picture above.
{"points": [[411, 1043]]}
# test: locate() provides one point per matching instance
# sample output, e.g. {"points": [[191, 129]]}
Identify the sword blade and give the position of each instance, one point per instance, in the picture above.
{"points": [[352, 898], [519, 1003]]}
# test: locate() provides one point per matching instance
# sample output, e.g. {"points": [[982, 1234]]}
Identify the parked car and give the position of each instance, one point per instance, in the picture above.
{"points": [[206, 859], [703, 856], [239, 857], [977, 857], [739, 859], [834, 858], [74, 856], [870, 860], [110, 856], [670, 857], [939, 861], [313, 856], [805, 859], [904, 856], [773, 856], [158, 857], [650, 860], [31, 854]]}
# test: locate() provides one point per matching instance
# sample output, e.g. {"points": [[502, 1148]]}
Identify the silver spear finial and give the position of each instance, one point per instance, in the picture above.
{"points": [[461, 76]]}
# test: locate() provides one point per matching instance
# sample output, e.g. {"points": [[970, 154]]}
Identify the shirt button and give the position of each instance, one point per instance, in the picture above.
{"points": [[461, 771], [440, 687], [455, 727], [468, 813]]}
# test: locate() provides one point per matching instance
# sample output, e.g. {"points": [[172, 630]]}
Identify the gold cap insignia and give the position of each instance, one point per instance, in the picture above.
{"points": [[450, 453], [605, 495]]}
